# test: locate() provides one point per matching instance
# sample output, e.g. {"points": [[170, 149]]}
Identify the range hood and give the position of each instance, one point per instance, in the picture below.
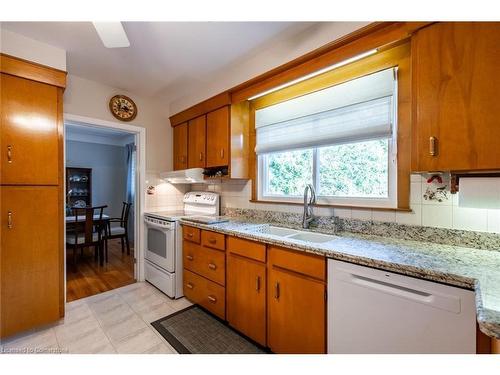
{"points": [[184, 176]]}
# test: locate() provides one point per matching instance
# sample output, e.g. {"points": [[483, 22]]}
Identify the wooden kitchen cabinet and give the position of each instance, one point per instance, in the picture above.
{"points": [[218, 137], [30, 133], [455, 100], [31, 259], [181, 146], [246, 296], [206, 293], [296, 300], [197, 133]]}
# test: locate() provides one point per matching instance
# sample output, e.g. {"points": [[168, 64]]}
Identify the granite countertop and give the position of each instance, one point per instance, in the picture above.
{"points": [[469, 268]]}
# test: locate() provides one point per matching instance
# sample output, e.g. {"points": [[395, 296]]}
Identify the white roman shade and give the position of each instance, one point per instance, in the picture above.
{"points": [[357, 110]]}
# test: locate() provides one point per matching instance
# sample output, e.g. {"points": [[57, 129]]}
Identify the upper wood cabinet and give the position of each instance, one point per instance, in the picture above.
{"points": [[31, 258], [181, 146], [218, 137], [29, 132], [455, 81], [197, 131]]}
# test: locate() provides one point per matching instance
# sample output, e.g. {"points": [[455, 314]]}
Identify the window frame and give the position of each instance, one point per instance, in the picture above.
{"points": [[392, 185], [395, 56]]}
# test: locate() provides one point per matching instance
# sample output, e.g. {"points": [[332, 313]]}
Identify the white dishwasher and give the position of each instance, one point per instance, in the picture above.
{"points": [[374, 311]]}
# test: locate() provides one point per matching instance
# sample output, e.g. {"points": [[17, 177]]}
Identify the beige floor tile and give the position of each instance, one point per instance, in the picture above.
{"points": [[139, 342], [160, 349], [36, 342], [125, 328]]}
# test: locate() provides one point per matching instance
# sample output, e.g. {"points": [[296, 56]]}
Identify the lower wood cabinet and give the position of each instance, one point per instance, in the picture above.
{"points": [[296, 313], [31, 257], [272, 295], [246, 296], [205, 293]]}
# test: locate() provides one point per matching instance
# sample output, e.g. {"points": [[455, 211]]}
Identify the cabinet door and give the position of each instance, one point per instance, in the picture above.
{"points": [[29, 132], [181, 146], [196, 142], [296, 320], [246, 297], [31, 258], [218, 138], [456, 79]]}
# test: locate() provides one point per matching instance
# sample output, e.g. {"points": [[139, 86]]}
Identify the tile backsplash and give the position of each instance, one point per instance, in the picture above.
{"points": [[166, 196], [430, 213]]}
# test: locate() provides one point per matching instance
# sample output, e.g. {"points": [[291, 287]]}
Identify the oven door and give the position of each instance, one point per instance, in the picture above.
{"points": [[160, 246]]}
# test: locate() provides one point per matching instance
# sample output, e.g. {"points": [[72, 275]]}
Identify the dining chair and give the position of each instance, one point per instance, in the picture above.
{"points": [[86, 230], [120, 231]]}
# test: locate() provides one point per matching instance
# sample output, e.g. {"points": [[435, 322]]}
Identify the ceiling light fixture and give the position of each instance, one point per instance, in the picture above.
{"points": [[317, 73], [112, 34]]}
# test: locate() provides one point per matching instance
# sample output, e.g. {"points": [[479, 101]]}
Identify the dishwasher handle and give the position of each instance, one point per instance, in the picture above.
{"points": [[400, 286]]}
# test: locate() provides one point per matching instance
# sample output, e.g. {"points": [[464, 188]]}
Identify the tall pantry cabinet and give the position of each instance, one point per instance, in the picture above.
{"points": [[31, 195]]}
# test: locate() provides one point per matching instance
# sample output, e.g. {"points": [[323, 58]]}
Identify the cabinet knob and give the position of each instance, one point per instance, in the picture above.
{"points": [[9, 154], [189, 257], [212, 266], [212, 299], [189, 285], [212, 240], [201, 156], [433, 146], [10, 225], [277, 290], [222, 153], [190, 235]]}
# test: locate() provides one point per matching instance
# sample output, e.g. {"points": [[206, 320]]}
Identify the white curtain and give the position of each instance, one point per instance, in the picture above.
{"points": [[357, 110]]}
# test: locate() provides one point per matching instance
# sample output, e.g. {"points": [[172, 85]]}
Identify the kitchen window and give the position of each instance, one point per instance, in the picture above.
{"points": [[341, 139]]}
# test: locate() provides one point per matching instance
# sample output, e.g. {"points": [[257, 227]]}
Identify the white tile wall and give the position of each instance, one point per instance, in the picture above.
{"points": [[166, 196], [446, 214]]}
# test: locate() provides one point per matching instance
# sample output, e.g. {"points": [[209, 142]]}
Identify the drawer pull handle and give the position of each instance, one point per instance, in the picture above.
{"points": [[257, 283], [432, 146], [189, 285], [9, 220], [190, 235], [222, 153], [189, 257], [212, 266], [212, 299], [9, 154], [183, 159], [277, 290], [212, 240], [201, 156]]}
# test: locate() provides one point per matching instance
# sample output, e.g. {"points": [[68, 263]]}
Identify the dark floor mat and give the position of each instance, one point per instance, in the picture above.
{"points": [[193, 330]]}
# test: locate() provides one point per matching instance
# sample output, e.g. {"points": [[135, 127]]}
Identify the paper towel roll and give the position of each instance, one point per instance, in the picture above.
{"points": [[479, 192]]}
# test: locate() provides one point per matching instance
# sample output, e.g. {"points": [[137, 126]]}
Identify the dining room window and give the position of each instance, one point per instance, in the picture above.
{"points": [[341, 139]]}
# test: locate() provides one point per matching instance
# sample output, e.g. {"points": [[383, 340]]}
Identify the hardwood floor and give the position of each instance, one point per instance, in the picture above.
{"points": [[89, 278]]}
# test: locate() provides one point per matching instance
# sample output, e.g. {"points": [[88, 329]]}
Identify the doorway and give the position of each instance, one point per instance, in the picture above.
{"points": [[104, 179]]}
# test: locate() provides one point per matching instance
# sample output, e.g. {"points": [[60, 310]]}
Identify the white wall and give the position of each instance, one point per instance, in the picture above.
{"points": [[267, 57], [28, 49], [446, 214], [89, 98]]}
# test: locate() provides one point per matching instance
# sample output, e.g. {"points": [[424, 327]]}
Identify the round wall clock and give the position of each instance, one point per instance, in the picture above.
{"points": [[123, 108]]}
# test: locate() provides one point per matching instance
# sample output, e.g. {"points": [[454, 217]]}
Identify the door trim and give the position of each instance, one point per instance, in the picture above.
{"points": [[140, 141]]}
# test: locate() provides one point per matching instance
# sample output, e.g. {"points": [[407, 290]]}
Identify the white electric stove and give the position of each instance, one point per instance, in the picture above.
{"points": [[163, 255]]}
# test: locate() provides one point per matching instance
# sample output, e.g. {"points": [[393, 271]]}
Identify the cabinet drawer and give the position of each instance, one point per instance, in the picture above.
{"points": [[212, 239], [246, 248], [205, 293], [205, 262], [306, 264], [191, 234]]}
